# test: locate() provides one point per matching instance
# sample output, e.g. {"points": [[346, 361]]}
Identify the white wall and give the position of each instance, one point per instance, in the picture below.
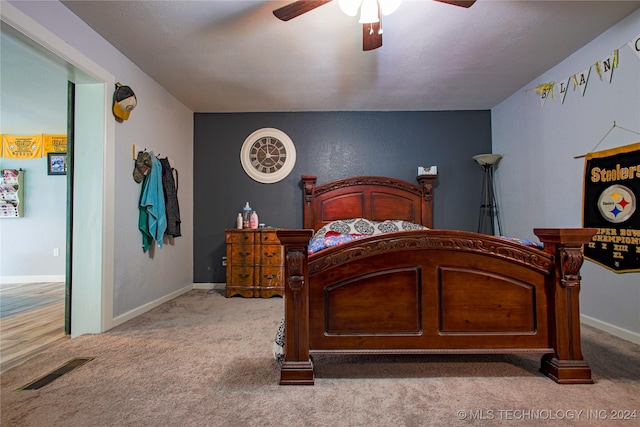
{"points": [[159, 123], [539, 181]]}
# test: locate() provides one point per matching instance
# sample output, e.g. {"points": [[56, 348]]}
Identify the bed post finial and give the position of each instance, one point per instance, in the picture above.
{"points": [[309, 182], [566, 365], [426, 184]]}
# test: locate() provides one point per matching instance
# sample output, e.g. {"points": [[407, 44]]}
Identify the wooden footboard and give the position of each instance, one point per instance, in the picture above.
{"points": [[435, 291]]}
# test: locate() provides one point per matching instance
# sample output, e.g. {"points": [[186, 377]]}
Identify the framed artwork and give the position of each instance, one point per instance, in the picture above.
{"points": [[56, 163]]}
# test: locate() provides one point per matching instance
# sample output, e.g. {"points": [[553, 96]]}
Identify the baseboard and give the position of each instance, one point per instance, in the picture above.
{"points": [[617, 331], [33, 279], [210, 286], [148, 306], [153, 304]]}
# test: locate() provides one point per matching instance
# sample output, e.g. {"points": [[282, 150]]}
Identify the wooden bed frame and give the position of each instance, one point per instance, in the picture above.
{"points": [[427, 291]]}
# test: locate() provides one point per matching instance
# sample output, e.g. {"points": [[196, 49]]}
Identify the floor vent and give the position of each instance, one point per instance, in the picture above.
{"points": [[49, 378]]}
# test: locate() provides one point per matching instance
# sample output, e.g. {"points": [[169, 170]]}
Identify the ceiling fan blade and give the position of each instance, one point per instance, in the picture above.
{"points": [[297, 8], [460, 3], [371, 36]]}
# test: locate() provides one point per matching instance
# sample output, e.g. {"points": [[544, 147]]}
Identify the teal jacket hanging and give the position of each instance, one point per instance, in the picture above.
{"points": [[152, 220]]}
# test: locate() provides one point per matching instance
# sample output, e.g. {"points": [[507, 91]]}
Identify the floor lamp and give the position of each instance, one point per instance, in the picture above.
{"points": [[489, 215]]}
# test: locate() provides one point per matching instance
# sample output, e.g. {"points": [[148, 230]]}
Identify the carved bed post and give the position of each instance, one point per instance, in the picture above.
{"points": [[309, 182], [567, 365], [297, 368], [426, 183]]}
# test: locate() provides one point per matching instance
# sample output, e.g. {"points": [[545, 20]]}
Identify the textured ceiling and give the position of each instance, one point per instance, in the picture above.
{"points": [[235, 56]]}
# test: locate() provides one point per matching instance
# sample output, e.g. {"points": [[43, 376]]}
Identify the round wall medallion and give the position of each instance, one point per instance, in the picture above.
{"points": [[617, 203], [268, 155]]}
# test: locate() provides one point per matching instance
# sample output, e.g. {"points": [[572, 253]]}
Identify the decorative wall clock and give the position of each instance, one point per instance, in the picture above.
{"points": [[268, 155]]}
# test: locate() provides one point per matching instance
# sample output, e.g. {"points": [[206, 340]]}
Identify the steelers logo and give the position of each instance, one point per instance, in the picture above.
{"points": [[617, 203]]}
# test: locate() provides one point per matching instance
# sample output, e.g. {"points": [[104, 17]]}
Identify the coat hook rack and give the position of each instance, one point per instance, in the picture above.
{"points": [[135, 149]]}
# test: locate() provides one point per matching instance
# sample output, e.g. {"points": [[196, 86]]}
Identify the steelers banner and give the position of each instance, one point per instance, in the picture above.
{"points": [[22, 147], [610, 204], [54, 143]]}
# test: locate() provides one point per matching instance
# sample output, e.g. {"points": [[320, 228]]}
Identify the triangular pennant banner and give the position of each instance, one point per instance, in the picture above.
{"points": [[543, 97], [563, 87], [635, 45], [606, 66], [580, 80], [545, 91]]}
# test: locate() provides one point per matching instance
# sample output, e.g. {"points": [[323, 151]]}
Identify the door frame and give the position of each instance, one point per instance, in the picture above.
{"points": [[93, 223]]}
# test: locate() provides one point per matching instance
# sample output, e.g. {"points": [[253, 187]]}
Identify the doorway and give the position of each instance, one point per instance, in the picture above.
{"points": [[90, 264]]}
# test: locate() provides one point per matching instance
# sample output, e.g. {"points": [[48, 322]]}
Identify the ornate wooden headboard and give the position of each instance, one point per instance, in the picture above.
{"points": [[376, 198]]}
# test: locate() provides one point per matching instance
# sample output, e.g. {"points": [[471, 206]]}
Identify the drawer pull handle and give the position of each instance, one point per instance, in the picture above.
{"points": [[270, 254], [244, 253], [270, 276], [243, 276]]}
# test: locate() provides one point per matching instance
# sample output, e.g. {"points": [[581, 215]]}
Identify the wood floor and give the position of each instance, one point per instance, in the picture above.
{"points": [[31, 320]]}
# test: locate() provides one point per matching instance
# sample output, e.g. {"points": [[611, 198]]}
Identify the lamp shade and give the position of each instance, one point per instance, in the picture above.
{"points": [[487, 159]]}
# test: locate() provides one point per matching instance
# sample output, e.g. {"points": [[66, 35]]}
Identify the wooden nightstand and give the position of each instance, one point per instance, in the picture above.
{"points": [[254, 263]]}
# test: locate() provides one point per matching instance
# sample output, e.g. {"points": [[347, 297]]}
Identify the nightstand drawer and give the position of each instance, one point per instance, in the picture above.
{"points": [[268, 237], [241, 276], [241, 255], [241, 236], [270, 276], [270, 255]]}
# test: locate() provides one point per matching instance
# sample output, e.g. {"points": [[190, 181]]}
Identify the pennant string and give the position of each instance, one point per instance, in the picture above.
{"points": [[615, 125], [615, 64]]}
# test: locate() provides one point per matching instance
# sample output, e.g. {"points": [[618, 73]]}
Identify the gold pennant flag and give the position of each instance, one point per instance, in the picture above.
{"points": [[606, 66], [564, 87], [22, 147], [54, 143], [545, 91], [581, 80]]}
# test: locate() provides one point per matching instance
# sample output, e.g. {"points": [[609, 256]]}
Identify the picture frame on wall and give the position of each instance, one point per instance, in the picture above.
{"points": [[56, 163]]}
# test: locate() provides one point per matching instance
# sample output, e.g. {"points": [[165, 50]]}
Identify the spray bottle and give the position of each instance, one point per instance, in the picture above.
{"points": [[246, 216]]}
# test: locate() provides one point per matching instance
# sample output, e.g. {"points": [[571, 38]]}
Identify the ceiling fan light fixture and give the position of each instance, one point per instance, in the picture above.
{"points": [[350, 7], [369, 12]]}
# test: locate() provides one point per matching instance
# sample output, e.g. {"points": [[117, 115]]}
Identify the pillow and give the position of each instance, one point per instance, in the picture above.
{"points": [[347, 226], [397, 225], [362, 226]]}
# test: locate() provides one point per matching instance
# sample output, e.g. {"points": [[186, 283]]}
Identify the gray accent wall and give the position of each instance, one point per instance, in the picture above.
{"points": [[331, 145]]}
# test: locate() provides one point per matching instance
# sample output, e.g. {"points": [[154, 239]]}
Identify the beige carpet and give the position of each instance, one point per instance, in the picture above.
{"points": [[204, 360]]}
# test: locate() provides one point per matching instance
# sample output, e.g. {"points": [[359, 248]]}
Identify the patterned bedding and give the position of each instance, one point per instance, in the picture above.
{"points": [[525, 242], [342, 231], [337, 232]]}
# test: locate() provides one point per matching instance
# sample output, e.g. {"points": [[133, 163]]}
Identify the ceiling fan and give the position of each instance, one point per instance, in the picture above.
{"points": [[371, 12]]}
